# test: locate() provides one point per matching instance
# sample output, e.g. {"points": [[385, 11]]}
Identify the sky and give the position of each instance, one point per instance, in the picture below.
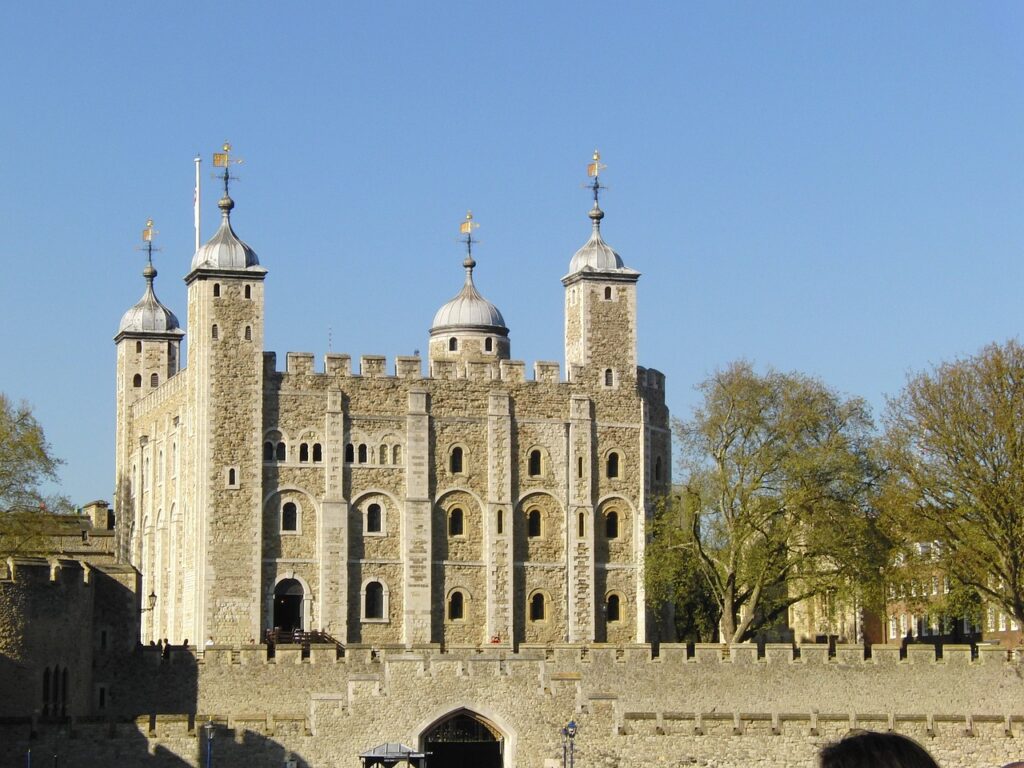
{"points": [[830, 188]]}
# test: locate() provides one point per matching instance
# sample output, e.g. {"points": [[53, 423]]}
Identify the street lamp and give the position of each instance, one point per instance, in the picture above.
{"points": [[152, 603], [569, 738], [209, 743]]}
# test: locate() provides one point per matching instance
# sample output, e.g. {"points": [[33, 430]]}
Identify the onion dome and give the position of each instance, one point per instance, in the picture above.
{"points": [[469, 309], [596, 254], [225, 250], [149, 315]]}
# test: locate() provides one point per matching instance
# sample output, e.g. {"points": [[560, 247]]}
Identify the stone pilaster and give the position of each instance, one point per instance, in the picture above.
{"points": [[582, 600], [416, 522], [333, 534], [498, 543]]}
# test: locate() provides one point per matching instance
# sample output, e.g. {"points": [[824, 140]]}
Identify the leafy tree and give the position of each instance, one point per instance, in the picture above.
{"points": [[954, 443], [779, 472], [25, 462]]}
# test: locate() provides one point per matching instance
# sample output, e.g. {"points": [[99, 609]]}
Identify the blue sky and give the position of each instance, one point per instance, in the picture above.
{"points": [[833, 188]]}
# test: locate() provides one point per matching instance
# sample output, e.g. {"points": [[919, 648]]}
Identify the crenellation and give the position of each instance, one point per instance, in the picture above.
{"points": [[299, 363], [337, 364], [546, 371]]}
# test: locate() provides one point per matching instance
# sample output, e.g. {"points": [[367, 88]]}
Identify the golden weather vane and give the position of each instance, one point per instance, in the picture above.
{"points": [[148, 233], [594, 168], [466, 228], [224, 160]]}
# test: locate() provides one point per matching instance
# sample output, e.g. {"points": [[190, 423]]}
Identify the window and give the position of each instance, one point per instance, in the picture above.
{"points": [[216, 290], [499, 521], [268, 451], [138, 347], [456, 606], [534, 464], [533, 528], [214, 332], [318, 453], [657, 469], [383, 453], [579, 467], [304, 452], [282, 452], [612, 608], [232, 477], [609, 377], [612, 466], [46, 691], [455, 461], [154, 380], [137, 381], [248, 333], [611, 525], [488, 344], [581, 525], [607, 294], [362, 453], [248, 291], [373, 604], [374, 519], [350, 453], [455, 522], [453, 344], [537, 607], [289, 517], [396, 455]]}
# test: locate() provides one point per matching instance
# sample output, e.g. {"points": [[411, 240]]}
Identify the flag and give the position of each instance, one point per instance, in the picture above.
{"points": [[220, 159], [467, 226]]}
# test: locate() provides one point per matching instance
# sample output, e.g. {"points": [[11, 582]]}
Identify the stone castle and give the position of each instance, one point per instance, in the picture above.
{"points": [[449, 564]]}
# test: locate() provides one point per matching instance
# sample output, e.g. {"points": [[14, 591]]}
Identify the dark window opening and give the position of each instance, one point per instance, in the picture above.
{"points": [[534, 465], [362, 453], [154, 380], [612, 467], [102, 702], [318, 453], [537, 607], [216, 290], [579, 467], [455, 521], [456, 606], [500, 522], [248, 333], [612, 608], [282, 452], [137, 381], [215, 333], [350, 453], [231, 477], [46, 691], [268, 451], [138, 347], [611, 525], [488, 344], [248, 292], [373, 519], [581, 525], [609, 377], [289, 517], [304, 452], [455, 464], [453, 344], [657, 469], [374, 603], [608, 294], [533, 524]]}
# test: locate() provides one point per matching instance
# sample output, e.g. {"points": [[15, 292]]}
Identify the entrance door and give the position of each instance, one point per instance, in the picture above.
{"points": [[463, 741], [288, 606]]}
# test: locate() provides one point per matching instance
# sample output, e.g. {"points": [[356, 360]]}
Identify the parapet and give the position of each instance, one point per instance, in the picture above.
{"points": [[300, 362]]}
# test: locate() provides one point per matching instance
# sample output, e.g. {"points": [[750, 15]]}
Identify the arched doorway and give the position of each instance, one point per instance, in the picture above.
{"points": [[288, 605], [463, 740]]}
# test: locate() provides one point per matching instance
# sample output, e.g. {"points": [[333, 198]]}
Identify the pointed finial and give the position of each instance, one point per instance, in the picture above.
{"points": [[466, 228], [594, 169], [149, 272], [224, 160]]}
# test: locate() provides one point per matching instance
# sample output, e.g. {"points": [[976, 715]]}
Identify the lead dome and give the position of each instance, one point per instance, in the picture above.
{"points": [[469, 309], [225, 250], [149, 315]]}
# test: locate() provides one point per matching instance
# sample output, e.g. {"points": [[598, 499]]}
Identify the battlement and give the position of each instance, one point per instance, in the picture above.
{"points": [[161, 394]]}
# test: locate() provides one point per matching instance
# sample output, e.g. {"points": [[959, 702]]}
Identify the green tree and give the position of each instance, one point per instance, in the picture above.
{"points": [[26, 462], [954, 444], [779, 471]]}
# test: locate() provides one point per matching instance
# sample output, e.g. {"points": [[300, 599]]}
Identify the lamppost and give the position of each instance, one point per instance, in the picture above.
{"points": [[209, 743], [569, 738]]}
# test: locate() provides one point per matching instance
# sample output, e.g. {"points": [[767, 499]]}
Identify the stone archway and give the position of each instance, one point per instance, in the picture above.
{"points": [[288, 605], [464, 739]]}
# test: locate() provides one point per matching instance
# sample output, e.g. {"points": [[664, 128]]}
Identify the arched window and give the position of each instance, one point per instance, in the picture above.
{"points": [[383, 453], [612, 465], [612, 608], [581, 525], [657, 469], [373, 519], [154, 380], [533, 527], [362, 453], [453, 344], [248, 291], [611, 525], [537, 607], [138, 347], [137, 381], [248, 333], [214, 332], [216, 290], [373, 606], [609, 377], [396, 455], [318, 453], [579, 466], [455, 521], [282, 452], [455, 460], [350, 453], [232, 477], [456, 606], [488, 344], [534, 463], [500, 521], [608, 294], [304, 452], [289, 517]]}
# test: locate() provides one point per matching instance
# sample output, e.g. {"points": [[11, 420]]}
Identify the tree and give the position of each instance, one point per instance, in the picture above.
{"points": [[25, 463], [954, 443], [779, 469]]}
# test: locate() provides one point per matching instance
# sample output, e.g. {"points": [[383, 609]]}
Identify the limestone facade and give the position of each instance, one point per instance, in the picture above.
{"points": [[473, 505]]}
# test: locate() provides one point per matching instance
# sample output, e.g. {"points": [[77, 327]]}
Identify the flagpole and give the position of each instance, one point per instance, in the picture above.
{"points": [[196, 212]]}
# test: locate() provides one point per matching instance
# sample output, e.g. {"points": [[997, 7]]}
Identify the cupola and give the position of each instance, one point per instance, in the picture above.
{"points": [[149, 316]]}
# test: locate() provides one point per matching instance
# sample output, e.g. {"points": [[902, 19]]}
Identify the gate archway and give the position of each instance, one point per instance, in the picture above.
{"points": [[288, 596], [464, 739]]}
